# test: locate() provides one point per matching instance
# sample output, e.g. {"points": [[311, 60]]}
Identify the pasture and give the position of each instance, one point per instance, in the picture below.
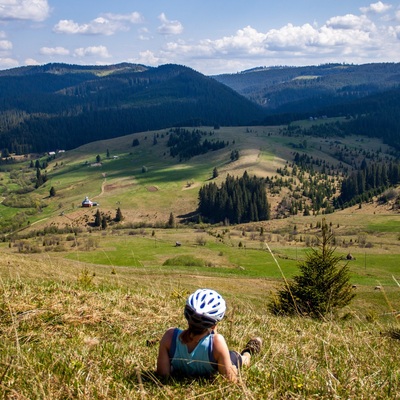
{"points": [[74, 329], [82, 309]]}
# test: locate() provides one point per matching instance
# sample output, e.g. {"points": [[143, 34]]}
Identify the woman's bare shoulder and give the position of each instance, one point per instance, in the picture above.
{"points": [[168, 335], [219, 341]]}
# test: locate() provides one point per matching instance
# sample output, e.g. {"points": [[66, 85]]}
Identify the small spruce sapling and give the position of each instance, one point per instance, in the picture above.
{"points": [[322, 287]]}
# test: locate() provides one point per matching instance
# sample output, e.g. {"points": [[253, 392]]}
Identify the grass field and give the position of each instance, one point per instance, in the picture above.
{"points": [[167, 185], [67, 334], [81, 313]]}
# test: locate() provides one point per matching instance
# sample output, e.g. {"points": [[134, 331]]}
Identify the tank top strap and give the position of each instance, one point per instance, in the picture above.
{"points": [[172, 348]]}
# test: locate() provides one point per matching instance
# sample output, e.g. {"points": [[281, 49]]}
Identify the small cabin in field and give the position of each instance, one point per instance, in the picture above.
{"points": [[87, 202]]}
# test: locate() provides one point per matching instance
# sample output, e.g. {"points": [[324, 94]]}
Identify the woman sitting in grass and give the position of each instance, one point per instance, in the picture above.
{"points": [[199, 351]]}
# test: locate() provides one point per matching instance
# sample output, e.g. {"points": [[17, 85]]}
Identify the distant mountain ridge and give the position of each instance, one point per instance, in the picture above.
{"points": [[64, 106], [61, 68], [297, 89], [61, 106]]}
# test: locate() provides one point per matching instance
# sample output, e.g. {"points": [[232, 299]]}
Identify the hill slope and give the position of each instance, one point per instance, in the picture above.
{"points": [[62, 107], [289, 89]]}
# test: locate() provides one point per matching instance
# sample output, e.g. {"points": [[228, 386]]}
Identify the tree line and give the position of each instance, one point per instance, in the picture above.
{"points": [[186, 144], [238, 200], [367, 181]]}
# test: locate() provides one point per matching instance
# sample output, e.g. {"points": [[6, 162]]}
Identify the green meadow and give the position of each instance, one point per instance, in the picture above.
{"points": [[82, 309]]}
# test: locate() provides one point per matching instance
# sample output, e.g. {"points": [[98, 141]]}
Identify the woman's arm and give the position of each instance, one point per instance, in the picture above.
{"points": [[163, 361], [222, 356]]}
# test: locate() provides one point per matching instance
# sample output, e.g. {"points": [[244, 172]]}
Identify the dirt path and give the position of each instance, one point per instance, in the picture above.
{"points": [[102, 186]]}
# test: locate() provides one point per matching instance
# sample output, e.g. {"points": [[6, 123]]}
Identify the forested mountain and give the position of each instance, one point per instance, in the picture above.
{"points": [[373, 116], [307, 89], [59, 106]]}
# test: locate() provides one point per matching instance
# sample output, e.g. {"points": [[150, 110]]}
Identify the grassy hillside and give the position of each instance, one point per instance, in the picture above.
{"points": [[370, 233], [78, 332], [82, 309], [168, 185]]}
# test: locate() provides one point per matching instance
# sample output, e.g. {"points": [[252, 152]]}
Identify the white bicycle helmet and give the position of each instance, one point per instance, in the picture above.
{"points": [[204, 308]]}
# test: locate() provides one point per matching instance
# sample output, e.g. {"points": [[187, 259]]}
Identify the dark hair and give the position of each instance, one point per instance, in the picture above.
{"points": [[188, 334], [198, 321]]}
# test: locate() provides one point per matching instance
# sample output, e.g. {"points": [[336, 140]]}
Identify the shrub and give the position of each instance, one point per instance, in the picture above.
{"points": [[187, 261], [201, 241], [85, 278]]}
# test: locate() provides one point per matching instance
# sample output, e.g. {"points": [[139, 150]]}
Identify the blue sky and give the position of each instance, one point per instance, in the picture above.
{"points": [[213, 37]]}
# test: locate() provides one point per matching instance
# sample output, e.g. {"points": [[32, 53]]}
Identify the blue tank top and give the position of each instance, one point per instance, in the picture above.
{"points": [[200, 362]]}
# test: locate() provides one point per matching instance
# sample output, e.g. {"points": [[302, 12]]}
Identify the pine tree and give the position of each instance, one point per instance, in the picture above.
{"points": [[118, 215], [321, 288], [103, 222], [215, 173], [39, 179], [52, 191], [171, 221], [97, 218]]}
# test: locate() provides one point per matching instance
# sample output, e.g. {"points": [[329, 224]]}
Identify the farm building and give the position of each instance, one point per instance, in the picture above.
{"points": [[87, 202]]}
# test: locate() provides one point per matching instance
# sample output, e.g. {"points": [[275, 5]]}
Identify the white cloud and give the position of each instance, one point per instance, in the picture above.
{"points": [[289, 40], [144, 34], [5, 45], [351, 21], [147, 58], [99, 26], [168, 27], [54, 51], [133, 18], [108, 24], [377, 8], [34, 10], [8, 63], [395, 32], [31, 61], [70, 27], [248, 39], [97, 51], [347, 38]]}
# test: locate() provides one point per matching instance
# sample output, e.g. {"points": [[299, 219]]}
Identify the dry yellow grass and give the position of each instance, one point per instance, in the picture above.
{"points": [[67, 334]]}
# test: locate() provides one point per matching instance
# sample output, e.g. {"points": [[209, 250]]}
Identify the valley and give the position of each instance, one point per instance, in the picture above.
{"points": [[86, 292]]}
